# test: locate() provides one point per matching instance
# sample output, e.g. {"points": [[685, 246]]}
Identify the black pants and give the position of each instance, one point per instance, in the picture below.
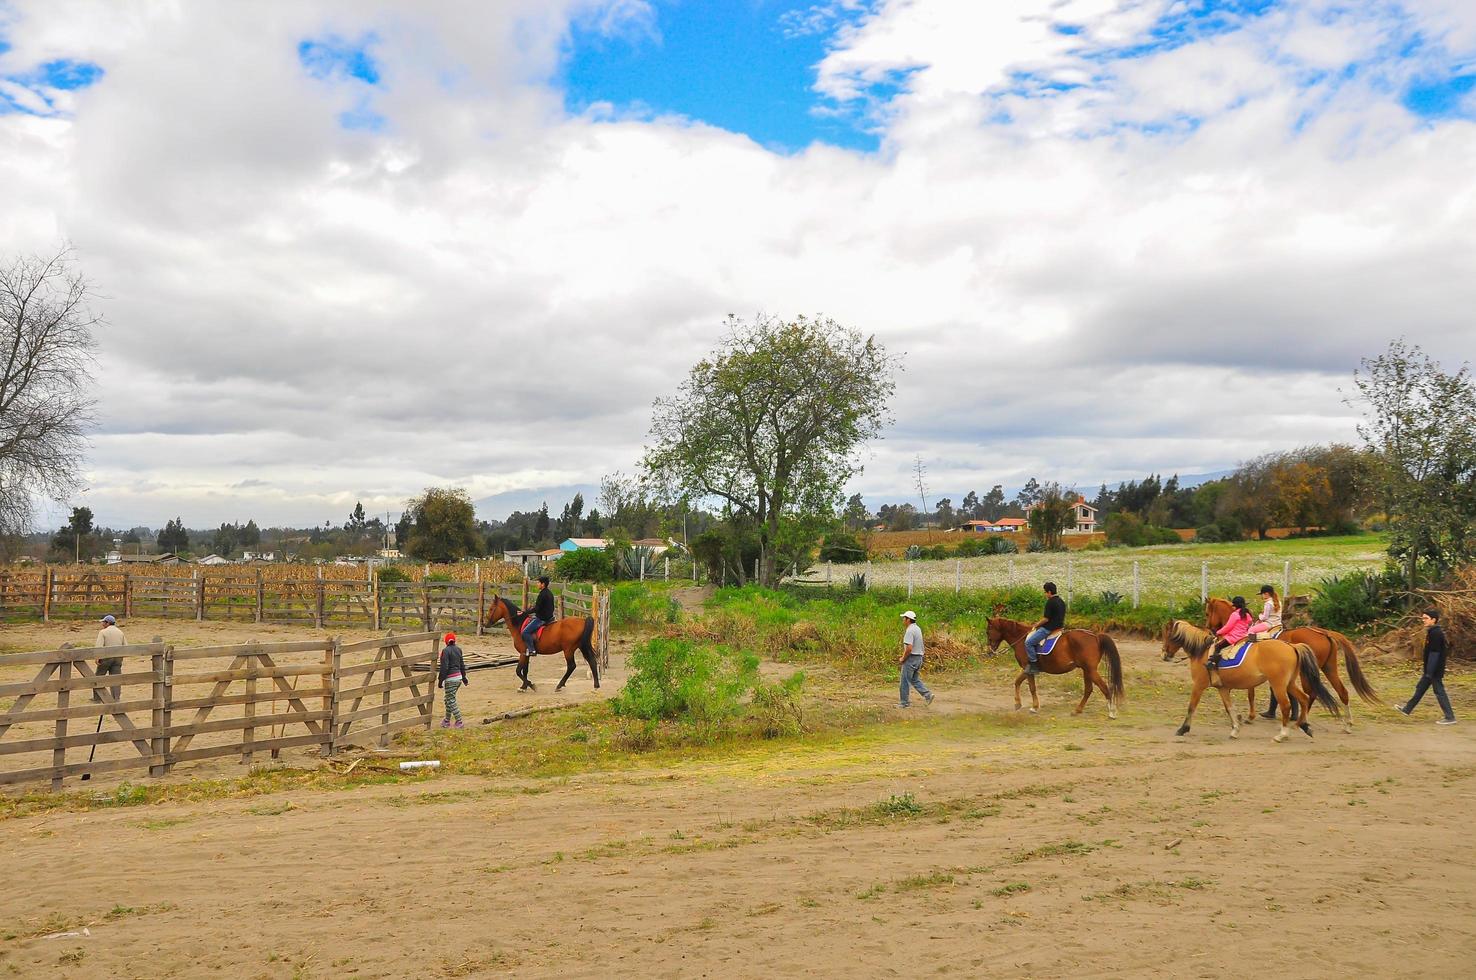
{"points": [[112, 665], [1428, 681]]}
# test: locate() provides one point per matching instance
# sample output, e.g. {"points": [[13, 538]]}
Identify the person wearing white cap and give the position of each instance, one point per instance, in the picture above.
{"points": [[912, 661], [110, 636]]}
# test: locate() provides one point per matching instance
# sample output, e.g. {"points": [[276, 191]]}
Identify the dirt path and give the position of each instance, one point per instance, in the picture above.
{"points": [[1045, 846]]}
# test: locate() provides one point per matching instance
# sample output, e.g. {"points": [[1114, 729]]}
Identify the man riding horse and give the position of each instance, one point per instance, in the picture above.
{"points": [[543, 614]]}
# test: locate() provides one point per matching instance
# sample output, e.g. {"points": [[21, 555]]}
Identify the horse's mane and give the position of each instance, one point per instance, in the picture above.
{"points": [[513, 613], [1193, 639]]}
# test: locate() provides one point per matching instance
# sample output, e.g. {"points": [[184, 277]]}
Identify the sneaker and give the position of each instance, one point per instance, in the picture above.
{"points": [[1403, 710], [904, 705], [459, 724], [928, 698], [445, 722], [1446, 721]]}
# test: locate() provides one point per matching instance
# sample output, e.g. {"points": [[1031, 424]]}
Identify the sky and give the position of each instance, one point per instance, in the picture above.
{"points": [[349, 250]]}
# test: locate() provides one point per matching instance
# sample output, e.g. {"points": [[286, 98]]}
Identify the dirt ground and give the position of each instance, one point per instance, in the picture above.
{"points": [[963, 839]]}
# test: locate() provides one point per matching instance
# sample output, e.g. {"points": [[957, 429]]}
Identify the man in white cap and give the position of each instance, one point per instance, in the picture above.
{"points": [[912, 661], [110, 636]]}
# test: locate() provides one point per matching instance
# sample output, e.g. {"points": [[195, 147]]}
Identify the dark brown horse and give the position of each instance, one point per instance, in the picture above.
{"points": [[561, 636], [1291, 671], [1074, 650], [1325, 645]]}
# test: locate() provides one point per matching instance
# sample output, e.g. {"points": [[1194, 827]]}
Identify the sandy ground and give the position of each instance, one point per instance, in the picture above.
{"points": [[1045, 846]]}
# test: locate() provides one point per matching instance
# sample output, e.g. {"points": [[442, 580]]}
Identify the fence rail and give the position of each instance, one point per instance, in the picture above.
{"points": [[169, 705]]}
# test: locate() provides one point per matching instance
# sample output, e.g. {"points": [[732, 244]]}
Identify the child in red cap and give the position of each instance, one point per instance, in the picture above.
{"points": [[451, 677]]}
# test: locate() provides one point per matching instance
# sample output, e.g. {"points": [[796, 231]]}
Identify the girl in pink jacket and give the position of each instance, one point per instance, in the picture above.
{"points": [[1234, 630]]}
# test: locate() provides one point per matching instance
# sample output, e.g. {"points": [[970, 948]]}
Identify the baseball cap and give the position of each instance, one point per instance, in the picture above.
{"points": [[909, 614], [109, 619], [450, 637]]}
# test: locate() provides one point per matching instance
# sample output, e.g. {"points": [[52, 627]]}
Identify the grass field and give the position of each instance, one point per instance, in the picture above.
{"points": [[1166, 573]]}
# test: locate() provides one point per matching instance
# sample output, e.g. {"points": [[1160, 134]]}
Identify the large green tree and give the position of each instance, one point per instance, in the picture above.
{"points": [[770, 424], [1420, 421], [442, 526]]}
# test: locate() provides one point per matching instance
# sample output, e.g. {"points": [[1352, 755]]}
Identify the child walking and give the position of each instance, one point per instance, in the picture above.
{"points": [[1434, 669], [451, 677]]}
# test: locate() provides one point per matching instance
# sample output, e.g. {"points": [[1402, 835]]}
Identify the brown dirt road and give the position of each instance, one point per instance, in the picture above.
{"points": [[1045, 846]]}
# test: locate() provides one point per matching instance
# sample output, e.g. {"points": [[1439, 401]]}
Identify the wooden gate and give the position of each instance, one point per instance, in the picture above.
{"points": [[368, 675]]}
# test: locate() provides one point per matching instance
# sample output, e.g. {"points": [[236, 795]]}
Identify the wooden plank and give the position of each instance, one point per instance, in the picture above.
{"points": [[59, 743], [245, 673], [76, 768], [236, 649], [261, 697], [385, 664], [90, 710], [234, 748], [78, 653], [388, 641], [242, 724], [81, 740], [363, 736], [77, 684], [105, 696], [397, 706], [25, 699]]}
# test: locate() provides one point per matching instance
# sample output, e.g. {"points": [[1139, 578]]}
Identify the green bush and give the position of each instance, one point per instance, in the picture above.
{"points": [[634, 604], [389, 573], [584, 565], [1129, 530], [1347, 602], [703, 685], [1209, 534], [776, 708]]}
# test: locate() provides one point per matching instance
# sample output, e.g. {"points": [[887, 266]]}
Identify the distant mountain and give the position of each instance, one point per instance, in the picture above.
{"points": [[498, 506]]}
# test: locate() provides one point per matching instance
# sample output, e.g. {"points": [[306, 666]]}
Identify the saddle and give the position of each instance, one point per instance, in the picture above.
{"points": [[1270, 634], [1049, 643]]}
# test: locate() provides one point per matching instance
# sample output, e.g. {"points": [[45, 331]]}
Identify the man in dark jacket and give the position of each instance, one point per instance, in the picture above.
{"points": [[543, 613], [1054, 618], [1434, 672]]}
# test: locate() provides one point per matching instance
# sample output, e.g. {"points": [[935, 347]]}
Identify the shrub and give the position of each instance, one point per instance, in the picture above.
{"points": [[1129, 530], [1346, 602], [776, 707], [701, 684], [1110, 598], [389, 573], [1036, 546], [633, 604], [857, 582], [842, 548], [913, 553], [585, 565], [1209, 534]]}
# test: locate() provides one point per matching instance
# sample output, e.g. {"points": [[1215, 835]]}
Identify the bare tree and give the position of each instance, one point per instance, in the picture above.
{"points": [[46, 350], [920, 480]]}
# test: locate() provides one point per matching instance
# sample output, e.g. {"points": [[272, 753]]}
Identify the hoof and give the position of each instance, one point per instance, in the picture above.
{"points": [[1235, 733], [1034, 710], [1306, 730], [1280, 737], [1112, 716], [1183, 730]]}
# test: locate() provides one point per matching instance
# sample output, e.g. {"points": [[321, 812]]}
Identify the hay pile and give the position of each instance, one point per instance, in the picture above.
{"points": [[1456, 600]]}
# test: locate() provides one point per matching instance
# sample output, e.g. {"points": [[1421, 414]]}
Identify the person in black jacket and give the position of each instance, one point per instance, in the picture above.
{"points": [[543, 613], [1434, 672], [1053, 619], [452, 676]]}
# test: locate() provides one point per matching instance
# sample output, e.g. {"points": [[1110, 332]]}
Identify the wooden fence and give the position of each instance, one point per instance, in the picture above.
{"points": [[170, 705]]}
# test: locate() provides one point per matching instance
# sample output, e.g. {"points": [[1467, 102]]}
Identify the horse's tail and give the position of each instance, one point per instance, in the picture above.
{"points": [[1114, 665], [585, 647], [1355, 669], [1312, 678]]}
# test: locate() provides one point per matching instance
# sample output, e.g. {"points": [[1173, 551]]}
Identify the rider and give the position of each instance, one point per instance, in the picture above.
{"points": [[1054, 619], [1270, 617], [543, 613], [1234, 630]]}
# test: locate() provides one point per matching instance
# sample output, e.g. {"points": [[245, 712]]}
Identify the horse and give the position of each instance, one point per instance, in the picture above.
{"points": [[1074, 650], [561, 636], [1291, 670], [1325, 644]]}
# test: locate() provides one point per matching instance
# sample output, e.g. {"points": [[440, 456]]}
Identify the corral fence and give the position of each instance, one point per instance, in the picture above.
{"points": [[1134, 580], [312, 598], [171, 705]]}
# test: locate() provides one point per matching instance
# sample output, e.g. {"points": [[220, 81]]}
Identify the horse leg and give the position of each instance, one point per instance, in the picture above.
{"points": [[1229, 711], [1330, 669], [1034, 694], [594, 671], [1250, 705], [1282, 687], [528, 684], [1018, 681], [1199, 686], [1086, 691], [569, 661], [1094, 676], [1305, 701]]}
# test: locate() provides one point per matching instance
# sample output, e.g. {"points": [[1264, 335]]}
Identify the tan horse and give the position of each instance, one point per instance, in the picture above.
{"points": [[1325, 645], [1074, 650], [561, 636], [1291, 671]]}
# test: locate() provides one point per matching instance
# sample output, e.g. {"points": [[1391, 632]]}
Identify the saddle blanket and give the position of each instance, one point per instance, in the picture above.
{"points": [[1049, 643], [1229, 659]]}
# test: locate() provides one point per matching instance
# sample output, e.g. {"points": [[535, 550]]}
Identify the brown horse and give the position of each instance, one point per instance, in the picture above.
{"points": [[561, 636], [1291, 671], [1325, 645], [1074, 650]]}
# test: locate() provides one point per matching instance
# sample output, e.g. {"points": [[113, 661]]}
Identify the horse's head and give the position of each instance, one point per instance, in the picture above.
{"points": [[996, 631], [498, 609], [1216, 612], [1171, 644]]}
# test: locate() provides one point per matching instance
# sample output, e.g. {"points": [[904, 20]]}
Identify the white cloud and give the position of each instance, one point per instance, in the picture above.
{"points": [[491, 293]]}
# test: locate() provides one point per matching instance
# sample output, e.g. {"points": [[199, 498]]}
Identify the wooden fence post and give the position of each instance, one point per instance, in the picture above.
{"points": [[335, 689], [1136, 585], [384, 716], [481, 602], [525, 590], [318, 613], [1286, 579], [957, 575], [330, 693], [46, 596], [374, 581], [1204, 582], [260, 595], [199, 597], [127, 593], [59, 732], [160, 718]]}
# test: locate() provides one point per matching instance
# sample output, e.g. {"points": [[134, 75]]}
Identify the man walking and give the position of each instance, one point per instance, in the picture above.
{"points": [[912, 661], [1053, 619], [1434, 669], [109, 636]]}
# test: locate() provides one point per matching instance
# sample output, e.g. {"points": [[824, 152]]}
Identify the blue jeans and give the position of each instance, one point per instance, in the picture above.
{"points": [[1428, 681], [530, 627], [910, 668], [1033, 641]]}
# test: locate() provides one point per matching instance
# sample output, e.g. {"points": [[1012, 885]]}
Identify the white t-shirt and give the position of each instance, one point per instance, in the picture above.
{"points": [[913, 635], [110, 636]]}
